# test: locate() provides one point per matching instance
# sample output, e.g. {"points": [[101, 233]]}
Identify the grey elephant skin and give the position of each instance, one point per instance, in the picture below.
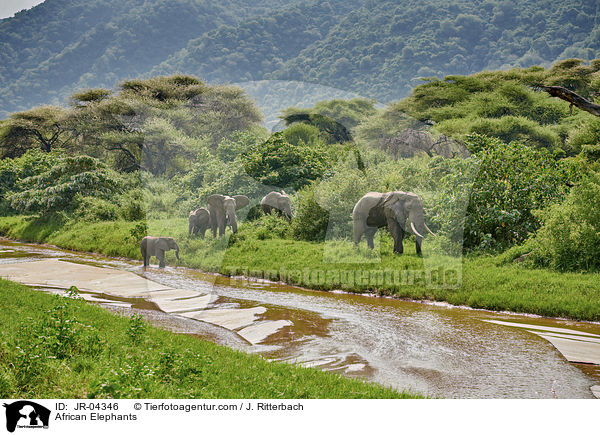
{"points": [[199, 221], [156, 247], [222, 210], [391, 209], [278, 202]]}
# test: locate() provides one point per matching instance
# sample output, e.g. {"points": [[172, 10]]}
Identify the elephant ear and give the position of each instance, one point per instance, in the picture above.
{"points": [[162, 243], [396, 201], [389, 199], [241, 201], [216, 200]]}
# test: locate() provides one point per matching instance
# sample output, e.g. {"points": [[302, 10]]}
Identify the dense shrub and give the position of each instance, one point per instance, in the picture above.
{"points": [[587, 137], [311, 220], [32, 163], [569, 238], [60, 187], [279, 163], [303, 134], [265, 226], [514, 180], [96, 209]]}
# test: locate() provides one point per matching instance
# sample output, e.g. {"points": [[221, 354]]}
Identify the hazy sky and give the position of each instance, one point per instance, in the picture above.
{"points": [[9, 7]]}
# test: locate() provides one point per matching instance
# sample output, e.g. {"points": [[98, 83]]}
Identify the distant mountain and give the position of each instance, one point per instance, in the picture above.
{"points": [[63, 45], [376, 48]]}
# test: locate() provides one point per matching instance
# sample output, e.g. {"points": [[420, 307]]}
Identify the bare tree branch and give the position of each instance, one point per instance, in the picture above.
{"points": [[573, 98]]}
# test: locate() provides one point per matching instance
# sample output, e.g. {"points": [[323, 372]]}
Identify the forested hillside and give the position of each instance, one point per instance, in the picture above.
{"points": [[59, 46], [375, 48], [382, 49]]}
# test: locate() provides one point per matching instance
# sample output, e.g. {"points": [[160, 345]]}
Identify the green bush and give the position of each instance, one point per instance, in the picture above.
{"points": [[587, 137], [60, 187], [303, 134], [265, 226], [569, 239], [131, 206], [12, 171], [96, 209], [514, 181], [516, 128], [279, 163], [311, 220]]}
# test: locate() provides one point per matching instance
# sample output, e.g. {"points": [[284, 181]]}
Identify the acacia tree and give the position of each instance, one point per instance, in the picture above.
{"points": [[42, 127], [156, 123]]}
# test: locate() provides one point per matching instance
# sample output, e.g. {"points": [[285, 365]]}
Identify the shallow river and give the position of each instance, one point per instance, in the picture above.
{"points": [[434, 349]]}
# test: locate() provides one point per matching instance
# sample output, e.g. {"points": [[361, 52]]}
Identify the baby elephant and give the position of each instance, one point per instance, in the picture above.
{"points": [[199, 221], [156, 247]]}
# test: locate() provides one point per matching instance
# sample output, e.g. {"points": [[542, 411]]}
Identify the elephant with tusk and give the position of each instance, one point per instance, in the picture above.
{"points": [[391, 209]]}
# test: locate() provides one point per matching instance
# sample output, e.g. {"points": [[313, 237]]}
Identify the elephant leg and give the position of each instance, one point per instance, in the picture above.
{"points": [[202, 231], [369, 235], [222, 226], [160, 254], [212, 223], [146, 259], [397, 234]]}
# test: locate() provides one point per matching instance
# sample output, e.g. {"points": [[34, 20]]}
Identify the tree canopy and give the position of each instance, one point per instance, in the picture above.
{"points": [[153, 124]]}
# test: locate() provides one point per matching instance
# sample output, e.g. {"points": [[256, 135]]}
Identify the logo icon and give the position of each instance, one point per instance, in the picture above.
{"points": [[26, 414]]}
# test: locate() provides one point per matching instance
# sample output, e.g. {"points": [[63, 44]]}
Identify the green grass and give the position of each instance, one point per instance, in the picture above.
{"points": [[53, 346], [486, 282]]}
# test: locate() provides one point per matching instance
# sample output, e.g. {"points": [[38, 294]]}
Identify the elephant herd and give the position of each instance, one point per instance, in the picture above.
{"points": [[221, 212], [219, 215], [373, 211]]}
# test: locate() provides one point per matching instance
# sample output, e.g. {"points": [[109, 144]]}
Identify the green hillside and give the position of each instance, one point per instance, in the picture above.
{"points": [[59, 46], [382, 49], [375, 48]]}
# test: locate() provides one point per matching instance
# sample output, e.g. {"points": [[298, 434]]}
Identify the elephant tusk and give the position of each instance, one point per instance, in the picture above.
{"points": [[412, 225], [427, 228]]}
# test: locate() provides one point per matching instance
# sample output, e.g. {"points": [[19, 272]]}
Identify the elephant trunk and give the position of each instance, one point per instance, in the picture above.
{"points": [[177, 251], [417, 223], [233, 222]]}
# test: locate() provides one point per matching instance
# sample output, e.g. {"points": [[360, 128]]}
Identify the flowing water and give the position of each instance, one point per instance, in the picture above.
{"points": [[435, 349]]}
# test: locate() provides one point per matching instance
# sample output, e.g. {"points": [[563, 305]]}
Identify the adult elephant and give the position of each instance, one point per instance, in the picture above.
{"points": [[199, 221], [222, 210], [156, 247], [279, 202], [391, 209]]}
